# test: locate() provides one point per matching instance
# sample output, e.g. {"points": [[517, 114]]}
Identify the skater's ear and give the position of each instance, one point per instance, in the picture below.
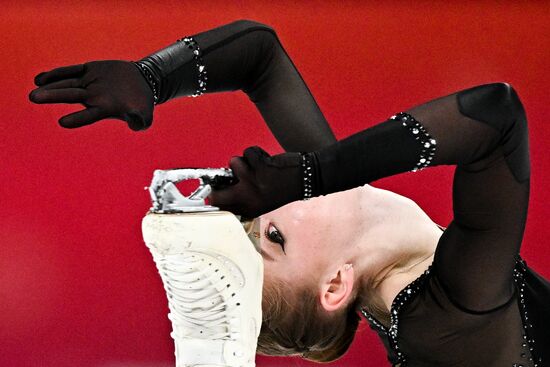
{"points": [[337, 289]]}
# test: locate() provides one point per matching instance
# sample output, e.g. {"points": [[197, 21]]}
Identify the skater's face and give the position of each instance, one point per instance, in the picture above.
{"points": [[297, 239]]}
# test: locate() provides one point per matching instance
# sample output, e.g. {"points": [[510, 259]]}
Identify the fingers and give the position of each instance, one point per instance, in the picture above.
{"points": [[255, 156], [67, 95], [223, 198], [44, 94], [136, 121], [227, 198], [58, 74], [82, 118], [233, 199], [238, 165], [61, 84]]}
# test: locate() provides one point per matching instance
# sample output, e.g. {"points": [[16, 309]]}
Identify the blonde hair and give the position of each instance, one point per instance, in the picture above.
{"points": [[295, 324]]}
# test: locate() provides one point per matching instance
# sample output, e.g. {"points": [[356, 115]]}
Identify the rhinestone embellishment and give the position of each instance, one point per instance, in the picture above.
{"points": [[197, 56], [412, 289], [402, 299], [528, 342], [144, 69], [307, 172], [418, 131]]}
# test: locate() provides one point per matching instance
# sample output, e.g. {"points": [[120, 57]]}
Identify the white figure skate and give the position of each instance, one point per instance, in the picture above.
{"points": [[211, 271]]}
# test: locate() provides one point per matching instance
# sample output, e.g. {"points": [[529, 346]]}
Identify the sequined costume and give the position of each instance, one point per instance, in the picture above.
{"points": [[478, 304]]}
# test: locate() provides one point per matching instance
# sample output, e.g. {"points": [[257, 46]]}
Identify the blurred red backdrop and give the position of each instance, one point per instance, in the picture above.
{"points": [[77, 285]]}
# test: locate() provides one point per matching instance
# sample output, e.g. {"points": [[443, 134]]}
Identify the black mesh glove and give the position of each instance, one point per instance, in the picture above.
{"points": [[108, 89], [264, 183]]}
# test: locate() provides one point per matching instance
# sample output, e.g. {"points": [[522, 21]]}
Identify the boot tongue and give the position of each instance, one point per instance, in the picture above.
{"points": [[252, 229]]}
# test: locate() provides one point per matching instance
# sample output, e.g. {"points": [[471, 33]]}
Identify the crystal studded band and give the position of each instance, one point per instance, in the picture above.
{"points": [[427, 142], [197, 56], [307, 173], [153, 84]]}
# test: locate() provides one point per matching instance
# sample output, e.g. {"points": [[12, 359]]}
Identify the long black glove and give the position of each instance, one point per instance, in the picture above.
{"points": [[377, 152], [242, 55], [389, 148]]}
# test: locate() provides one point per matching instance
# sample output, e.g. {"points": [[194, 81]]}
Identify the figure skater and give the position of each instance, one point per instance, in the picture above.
{"points": [[334, 247]]}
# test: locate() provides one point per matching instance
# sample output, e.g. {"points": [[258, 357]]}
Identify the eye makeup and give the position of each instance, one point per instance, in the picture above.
{"points": [[274, 236]]}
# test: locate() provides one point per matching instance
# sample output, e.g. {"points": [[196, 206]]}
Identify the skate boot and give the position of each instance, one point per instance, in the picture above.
{"points": [[211, 270]]}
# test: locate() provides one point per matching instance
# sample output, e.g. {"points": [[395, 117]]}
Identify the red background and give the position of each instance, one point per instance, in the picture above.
{"points": [[77, 285]]}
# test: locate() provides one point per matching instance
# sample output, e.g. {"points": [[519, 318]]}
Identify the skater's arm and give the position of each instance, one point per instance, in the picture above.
{"points": [[482, 130], [242, 55]]}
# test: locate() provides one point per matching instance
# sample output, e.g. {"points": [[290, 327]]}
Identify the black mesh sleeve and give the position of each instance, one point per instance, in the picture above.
{"points": [[483, 131], [244, 55]]}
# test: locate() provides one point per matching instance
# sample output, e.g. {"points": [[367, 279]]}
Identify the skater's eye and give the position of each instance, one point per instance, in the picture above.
{"points": [[273, 234]]}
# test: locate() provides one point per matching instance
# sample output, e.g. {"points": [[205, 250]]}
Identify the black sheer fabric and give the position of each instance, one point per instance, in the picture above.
{"points": [[479, 304], [248, 56], [433, 330]]}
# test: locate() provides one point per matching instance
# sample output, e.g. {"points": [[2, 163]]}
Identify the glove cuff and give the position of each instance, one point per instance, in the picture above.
{"points": [[154, 83], [177, 70]]}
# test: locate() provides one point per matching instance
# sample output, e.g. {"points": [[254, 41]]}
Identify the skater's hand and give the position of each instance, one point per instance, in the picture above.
{"points": [[108, 89], [264, 183]]}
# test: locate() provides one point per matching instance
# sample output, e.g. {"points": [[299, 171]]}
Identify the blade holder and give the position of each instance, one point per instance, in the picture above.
{"points": [[167, 198]]}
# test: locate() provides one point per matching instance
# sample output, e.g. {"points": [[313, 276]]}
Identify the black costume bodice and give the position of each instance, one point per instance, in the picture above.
{"points": [[428, 329]]}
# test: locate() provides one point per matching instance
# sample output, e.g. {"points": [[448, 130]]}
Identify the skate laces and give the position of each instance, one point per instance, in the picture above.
{"points": [[202, 292]]}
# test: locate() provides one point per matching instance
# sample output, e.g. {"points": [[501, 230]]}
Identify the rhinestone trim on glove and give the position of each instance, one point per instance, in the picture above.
{"points": [[307, 172], [419, 132], [197, 56], [149, 78]]}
